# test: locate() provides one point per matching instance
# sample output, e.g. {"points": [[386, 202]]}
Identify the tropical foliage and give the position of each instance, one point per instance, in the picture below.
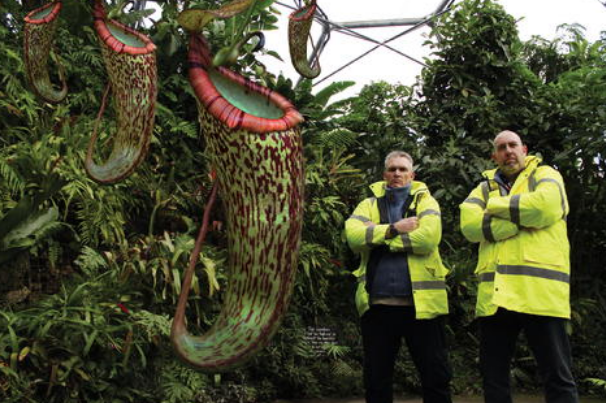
{"points": [[90, 274]]}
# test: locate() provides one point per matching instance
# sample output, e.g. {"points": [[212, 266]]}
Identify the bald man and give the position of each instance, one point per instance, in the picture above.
{"points": [[517, 214]]}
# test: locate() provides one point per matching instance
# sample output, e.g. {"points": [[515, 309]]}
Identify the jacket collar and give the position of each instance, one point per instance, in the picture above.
{"points": [[531, 162], [378, 188]]}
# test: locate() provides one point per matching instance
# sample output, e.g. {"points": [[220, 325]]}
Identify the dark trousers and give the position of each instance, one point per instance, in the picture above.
{"points": [[548, 341], [382, 330]]}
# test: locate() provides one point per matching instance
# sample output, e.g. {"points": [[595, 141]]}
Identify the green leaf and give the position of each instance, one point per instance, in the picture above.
{"points": [[274, 54], [15, 216], [325, 94], [31, 225], [194, 20], [90, 339]]}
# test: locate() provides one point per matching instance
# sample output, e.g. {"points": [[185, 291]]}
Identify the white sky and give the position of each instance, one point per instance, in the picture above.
{"points": [[537, 17]]}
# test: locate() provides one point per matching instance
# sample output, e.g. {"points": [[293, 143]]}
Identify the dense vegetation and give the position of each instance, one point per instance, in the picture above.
{"points": [[89, 274]]}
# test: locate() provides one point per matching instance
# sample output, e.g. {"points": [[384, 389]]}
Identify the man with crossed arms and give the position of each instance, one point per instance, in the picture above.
{"points": [[401, 288], [518, 216]]}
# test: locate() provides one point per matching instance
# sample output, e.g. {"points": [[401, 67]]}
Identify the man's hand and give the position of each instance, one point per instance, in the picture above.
{"points": [[407, 224]]}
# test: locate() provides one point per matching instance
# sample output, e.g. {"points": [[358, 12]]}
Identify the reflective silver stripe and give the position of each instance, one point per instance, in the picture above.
{"points": [[406, 243], [429, 212], [486, 230], [514, 209], [532, 182], [562, 198], [503, 191], [485, 191], [486, 277], [548, 180], [534, 272], [429, 285], [369, 233], [362, 279], [475, 200], [360, 218], [373, 200]]}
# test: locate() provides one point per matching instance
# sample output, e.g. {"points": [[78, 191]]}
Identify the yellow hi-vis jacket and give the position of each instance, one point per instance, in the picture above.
{"points": [[364, 231], [523, 262]]}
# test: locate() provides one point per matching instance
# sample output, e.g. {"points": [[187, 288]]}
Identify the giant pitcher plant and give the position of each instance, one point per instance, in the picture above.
{"points": [[299, 26], [38, 34], [130, 61], [255, 149]]}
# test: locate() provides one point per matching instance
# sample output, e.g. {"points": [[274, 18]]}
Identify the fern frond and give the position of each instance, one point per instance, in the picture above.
{"points": [[180, 383], [153, 324], [338, 138], [12, 180], [342, 369], [90, 260], [54, 252], [13, 86]]}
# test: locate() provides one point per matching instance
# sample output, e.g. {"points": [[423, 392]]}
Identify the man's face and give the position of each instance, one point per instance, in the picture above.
{"points": [[509, 153], [398, 172]]}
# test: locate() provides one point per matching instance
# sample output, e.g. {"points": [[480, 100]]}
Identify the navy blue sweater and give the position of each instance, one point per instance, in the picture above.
{"points": [[392, 278]]}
